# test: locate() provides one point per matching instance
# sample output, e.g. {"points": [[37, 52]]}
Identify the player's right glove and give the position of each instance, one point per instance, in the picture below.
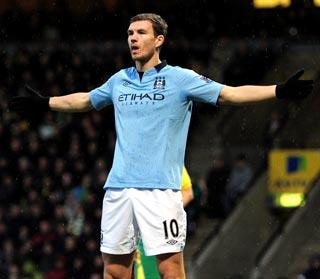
{"points": [[31, 105], [293, 88]]}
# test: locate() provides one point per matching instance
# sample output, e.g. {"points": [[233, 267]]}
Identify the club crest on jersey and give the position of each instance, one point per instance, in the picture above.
{"points": [[159, 83]]}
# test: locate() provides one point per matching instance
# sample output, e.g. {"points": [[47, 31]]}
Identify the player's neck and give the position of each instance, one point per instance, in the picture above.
{"points": [[143, 66]]}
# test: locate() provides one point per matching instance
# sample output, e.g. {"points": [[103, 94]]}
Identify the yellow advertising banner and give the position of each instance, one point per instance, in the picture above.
{"points": [[267, 4], [292, 171]]}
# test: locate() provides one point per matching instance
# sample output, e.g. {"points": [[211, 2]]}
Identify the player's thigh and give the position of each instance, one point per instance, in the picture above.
{"points": [[118, 266], [118, 229], [171, 265], [161, 220]]}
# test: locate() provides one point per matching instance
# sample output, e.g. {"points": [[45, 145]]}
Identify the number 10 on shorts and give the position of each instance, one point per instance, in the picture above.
{"points": [[170, 226]]}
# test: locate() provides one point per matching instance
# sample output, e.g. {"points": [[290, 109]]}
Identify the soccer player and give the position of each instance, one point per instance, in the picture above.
{"points": [[152, 104], [186, 188]]}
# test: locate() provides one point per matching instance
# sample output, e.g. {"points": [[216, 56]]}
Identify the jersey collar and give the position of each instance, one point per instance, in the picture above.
{"points": [[160, 66]]}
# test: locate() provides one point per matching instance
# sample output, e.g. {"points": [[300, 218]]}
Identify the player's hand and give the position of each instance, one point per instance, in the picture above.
{"points": [[30, 105], [293, 88]]}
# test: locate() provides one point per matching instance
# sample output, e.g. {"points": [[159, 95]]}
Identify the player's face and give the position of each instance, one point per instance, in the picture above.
{"points": [[143, 43]]}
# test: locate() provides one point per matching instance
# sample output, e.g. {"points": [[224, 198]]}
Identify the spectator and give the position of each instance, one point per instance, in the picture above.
{"points": [[240, 176], [58, 271], [13, 271], [216, 183], [271, 130], [313, 271], [195, 208], [47, 260], [78, 269]]}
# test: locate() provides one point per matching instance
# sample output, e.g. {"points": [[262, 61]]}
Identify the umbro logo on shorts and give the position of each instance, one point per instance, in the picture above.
{"points": [[172, 242]]}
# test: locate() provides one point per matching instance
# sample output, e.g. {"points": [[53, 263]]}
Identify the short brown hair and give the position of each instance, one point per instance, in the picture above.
{"points": [[160, 27]]}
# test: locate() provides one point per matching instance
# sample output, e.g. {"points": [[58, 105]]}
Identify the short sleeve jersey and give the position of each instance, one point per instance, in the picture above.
{"points": [[152, 117]]}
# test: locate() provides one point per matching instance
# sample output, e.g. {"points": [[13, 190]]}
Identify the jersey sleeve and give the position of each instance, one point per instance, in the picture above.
{"points": [[199, 88], [102, 96], [186, 180]]}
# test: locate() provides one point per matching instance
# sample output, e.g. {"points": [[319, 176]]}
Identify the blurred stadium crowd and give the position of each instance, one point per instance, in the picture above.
{"points": [[52, 172], [75, 20]]}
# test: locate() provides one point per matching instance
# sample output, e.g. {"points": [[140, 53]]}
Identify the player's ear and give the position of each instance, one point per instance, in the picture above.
{"points": [[159, 40]]}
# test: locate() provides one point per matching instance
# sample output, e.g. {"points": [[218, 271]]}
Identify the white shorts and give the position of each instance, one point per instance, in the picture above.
{"points": [[157, 216]]}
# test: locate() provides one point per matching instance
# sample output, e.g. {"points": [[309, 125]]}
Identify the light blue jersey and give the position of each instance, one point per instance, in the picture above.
{"points": [[152, 117]]}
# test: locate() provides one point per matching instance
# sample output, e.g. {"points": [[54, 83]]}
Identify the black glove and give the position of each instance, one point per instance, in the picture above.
{"points": [[31, 105], [293, 88]]}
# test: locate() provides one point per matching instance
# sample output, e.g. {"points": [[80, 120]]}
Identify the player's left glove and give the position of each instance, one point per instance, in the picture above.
{"points": [[293, 88]]}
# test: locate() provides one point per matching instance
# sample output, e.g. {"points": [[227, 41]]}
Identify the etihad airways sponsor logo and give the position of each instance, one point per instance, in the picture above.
{"points": [[141, 97]]}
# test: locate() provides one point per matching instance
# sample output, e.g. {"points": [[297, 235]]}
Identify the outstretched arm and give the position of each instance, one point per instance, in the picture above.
{"points": [[76, 102], [246, 94], [292, 88], [33, 103]]}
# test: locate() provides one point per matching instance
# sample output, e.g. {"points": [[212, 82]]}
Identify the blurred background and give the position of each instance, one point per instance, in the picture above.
{"points": [[255, 169]]}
